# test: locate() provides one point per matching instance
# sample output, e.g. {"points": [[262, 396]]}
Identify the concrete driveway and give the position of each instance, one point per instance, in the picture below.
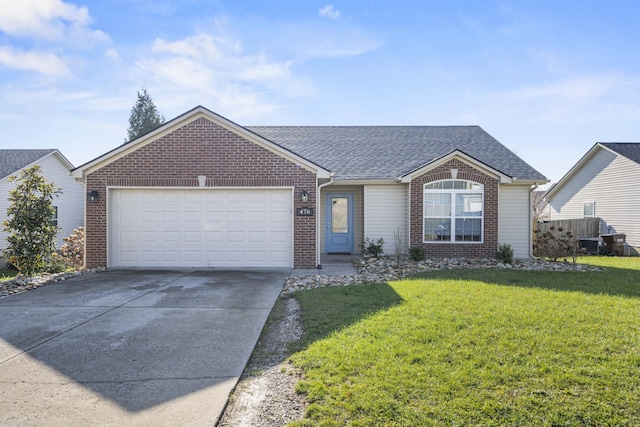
{"points": [[131, 347]]}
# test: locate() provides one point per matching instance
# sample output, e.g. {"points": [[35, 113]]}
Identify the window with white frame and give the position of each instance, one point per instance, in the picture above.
{"points": [[589, 209], [54, 217], [453, 211]]}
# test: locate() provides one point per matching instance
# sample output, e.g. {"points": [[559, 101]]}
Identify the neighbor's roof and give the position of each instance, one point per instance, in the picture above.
{"points": [[12, 161], [388, 152], [630, 150]]}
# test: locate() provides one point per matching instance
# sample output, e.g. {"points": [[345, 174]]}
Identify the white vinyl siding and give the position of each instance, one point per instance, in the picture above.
{"points": [[385, 211], [70, 203], [514, 218], [611, 181], [200, 228]]}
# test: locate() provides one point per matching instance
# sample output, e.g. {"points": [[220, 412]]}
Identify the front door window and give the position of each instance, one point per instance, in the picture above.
{"points": [[339, 223], [340, 215]]}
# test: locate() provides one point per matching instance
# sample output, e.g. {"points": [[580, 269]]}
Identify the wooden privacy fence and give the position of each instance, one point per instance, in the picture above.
{"points": [[580, 228]]}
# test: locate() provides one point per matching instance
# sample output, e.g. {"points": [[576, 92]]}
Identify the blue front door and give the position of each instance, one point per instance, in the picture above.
{"points": [[339, 223]]}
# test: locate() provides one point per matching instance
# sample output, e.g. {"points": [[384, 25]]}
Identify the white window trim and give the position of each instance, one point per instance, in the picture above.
{"points": [[453, 218], [593, 209]]}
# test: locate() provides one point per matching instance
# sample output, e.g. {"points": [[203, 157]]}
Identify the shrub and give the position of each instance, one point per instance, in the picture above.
{"points": [[372, 248], [417, 253], [32, 235], [554, 244], [73, 250], [504, 253]]}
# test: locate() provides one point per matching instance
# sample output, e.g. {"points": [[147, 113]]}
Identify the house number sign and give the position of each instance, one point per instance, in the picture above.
{"points": [[304, 211]]}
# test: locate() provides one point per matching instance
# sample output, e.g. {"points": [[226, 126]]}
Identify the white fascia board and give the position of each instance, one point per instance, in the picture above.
{"points": [[62, 159], [182, 120], [456, 154]]}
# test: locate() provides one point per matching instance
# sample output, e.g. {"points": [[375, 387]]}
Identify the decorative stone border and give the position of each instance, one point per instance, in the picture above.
{"points": [[22, 283], [375, 270]]}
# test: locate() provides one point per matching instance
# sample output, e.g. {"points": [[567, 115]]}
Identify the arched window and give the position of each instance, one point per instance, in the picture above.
{"points": [[453, 211]]}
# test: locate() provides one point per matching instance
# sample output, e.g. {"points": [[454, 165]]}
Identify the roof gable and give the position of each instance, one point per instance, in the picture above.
{"points": [[389, 152], [457, 154], [12, 161], [182, 120], [630, 150]]}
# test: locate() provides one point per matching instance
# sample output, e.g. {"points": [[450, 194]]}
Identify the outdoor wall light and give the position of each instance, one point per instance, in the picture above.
{"points": [[304, 196], [93, 196]]}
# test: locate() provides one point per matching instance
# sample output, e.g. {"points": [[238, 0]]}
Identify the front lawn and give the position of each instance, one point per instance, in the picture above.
{"points": [[476, 347]]}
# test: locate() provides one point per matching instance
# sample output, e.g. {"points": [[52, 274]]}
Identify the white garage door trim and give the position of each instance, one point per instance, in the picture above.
{"points": [[200, 227]]}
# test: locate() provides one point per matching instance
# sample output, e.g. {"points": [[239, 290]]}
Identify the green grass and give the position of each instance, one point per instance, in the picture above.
{"points": [[8, 274], [476, 347]]}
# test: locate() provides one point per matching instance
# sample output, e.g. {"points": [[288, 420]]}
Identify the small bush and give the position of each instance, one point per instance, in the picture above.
{"points": [[73, 249], [417, 253], [56, 265], [504, 253], [372, 248], [556, 243]]}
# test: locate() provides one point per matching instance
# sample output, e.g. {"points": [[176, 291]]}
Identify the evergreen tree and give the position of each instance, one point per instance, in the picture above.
{"points": [[32, 236], [144, 117]]}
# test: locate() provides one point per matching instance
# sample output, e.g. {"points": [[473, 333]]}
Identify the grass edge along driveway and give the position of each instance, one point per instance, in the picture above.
{"points": [[475, 347]]}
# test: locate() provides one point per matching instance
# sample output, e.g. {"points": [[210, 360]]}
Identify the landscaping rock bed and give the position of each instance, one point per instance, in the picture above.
{"points": [[22, 283], [375, 270]]}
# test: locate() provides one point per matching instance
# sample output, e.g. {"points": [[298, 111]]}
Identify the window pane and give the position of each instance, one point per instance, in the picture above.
{"points": [[437, 229], [588, 209], [437, 204], [340, 215], [468, 204], [468, 230]]}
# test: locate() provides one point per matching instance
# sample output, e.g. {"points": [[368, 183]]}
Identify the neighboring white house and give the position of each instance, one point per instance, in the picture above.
{"points": [[55, 168], [603, 184]]}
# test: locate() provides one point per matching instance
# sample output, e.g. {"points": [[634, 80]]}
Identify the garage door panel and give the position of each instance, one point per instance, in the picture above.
{"points": [[149, 237], [213, 237], [213, 216], [148, 196], [149, 216], [169, 196], [201, 227], [170, 237], [128, 237], [127, 216], [193, 216], [192, 237]]}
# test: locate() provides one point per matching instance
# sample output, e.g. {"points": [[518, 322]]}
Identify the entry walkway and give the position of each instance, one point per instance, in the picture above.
{"points": [[332, 265]]}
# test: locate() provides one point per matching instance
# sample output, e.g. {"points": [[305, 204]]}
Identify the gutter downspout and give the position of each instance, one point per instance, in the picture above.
{"points": [[318, 227], [531, 193]]}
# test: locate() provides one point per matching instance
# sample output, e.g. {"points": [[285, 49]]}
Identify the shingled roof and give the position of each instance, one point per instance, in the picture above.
{"points": [[630, 150], [388, 152], [12, 161]]}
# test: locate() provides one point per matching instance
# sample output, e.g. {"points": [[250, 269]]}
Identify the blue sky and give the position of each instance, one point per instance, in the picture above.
{"points": [[548, 79]]}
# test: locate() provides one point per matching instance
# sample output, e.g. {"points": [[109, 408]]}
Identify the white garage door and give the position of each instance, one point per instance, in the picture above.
{"points": [[200, 228]]}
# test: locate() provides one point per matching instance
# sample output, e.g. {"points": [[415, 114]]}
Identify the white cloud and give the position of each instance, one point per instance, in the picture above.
{"points": [[218, 71], [329, 12], [574, 89], [52, 20], [41, 62], [112, 53]]}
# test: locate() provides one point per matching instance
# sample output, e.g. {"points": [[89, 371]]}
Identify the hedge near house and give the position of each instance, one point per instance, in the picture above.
{"points": [[32, 236]]}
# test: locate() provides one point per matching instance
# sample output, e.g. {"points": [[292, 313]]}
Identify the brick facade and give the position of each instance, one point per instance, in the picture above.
{"points": [[201, 147], [485, 249]]}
